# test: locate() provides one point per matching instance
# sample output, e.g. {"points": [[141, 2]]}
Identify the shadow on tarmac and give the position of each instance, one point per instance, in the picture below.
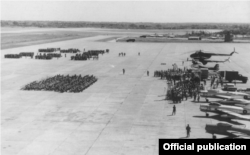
{"points": [[160, 100], [199, 102], [218, 138], [217, 117]]}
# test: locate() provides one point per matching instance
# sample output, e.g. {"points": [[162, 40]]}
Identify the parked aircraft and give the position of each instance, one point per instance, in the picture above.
{"points": [[245, 90], [217, 93], [198, 66], [233, 101], [228, 130], [205, 61], [202, 55], [213, 37], [231, 112]]}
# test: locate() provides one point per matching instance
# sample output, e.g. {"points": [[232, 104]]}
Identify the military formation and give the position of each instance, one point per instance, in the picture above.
{"points": [[49, 50], [71, 50], [22, 54], [89, 54], [16, 56], [61, 83], [47, 54]]}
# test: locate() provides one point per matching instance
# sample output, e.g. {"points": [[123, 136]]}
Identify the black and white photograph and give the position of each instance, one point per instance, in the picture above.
{"points": [[114, 77]]}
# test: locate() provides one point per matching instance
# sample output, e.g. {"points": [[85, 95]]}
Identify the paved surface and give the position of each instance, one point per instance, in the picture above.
{"points": [[119, 114]]}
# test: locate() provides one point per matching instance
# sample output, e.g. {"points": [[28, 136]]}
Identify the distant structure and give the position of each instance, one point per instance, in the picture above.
{"points": [[228, 36], [130, 40], [194, 38]]}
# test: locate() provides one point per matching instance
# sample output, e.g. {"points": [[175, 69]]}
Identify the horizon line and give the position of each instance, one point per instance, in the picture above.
{"points": [[130, 22]]}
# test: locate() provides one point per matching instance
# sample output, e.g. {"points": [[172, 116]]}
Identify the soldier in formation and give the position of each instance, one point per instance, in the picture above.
{"points": [[61, 83]]}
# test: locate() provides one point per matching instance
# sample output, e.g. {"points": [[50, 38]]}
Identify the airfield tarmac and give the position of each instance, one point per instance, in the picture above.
{"points": [[119, 114]]}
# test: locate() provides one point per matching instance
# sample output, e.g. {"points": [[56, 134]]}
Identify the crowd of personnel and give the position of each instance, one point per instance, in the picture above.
{"points": [[17, 56], [61, 83], [49, 50], [89, 54], [47, 56], [22, 54], [71, 50], [181, 84], [27, 54], [80, 57], [55, 55]]}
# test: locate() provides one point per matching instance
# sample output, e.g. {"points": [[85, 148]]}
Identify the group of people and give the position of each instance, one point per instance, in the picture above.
{"points": [[173, 74], [17, 56], [61, 83], [122, 54], [49, 50], [45, 56], [27, 54], [22, 54], [71, 50], [89, 54], [215, 81], [184, 89], [181, 84]]}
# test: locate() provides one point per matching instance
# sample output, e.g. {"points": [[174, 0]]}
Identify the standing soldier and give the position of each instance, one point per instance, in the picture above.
{"points": [[194, 96], [139, 53], [188, 129], [123, 71], [148, 73], [174, 110], [198, 97]]}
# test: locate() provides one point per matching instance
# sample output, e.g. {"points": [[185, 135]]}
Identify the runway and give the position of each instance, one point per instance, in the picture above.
{"points": [[117, 115]]}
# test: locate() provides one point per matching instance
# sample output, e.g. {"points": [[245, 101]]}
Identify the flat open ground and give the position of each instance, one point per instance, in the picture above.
{"points": [[119, 114]]}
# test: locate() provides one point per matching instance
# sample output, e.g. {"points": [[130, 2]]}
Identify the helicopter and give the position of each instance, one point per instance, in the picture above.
{"points": [[202, 55], [205, 61]]}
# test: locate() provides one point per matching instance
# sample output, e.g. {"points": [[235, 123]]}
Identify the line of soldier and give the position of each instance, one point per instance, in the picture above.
{"points": [[71, 50], [22, 54], [89, 54], [17, 56], [49, 50], [61, 83], [48, 56]]}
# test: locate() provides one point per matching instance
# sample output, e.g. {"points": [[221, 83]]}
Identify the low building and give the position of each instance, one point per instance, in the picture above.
{"points": [[194, 38], [228, 37]]}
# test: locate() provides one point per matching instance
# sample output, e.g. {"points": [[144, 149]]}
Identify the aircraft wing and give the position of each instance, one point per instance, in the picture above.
{"points": [[223, 97], [234, 115], [239, 134]]}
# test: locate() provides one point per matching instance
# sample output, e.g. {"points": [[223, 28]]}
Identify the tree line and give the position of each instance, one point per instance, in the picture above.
{"points": [[236, 28]]}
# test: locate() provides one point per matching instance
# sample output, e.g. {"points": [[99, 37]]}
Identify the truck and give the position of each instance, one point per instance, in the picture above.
{"points": [[233, 75]]}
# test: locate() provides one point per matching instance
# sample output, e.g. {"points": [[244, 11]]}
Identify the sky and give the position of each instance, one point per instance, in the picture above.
{"points": [[128, 11]]}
